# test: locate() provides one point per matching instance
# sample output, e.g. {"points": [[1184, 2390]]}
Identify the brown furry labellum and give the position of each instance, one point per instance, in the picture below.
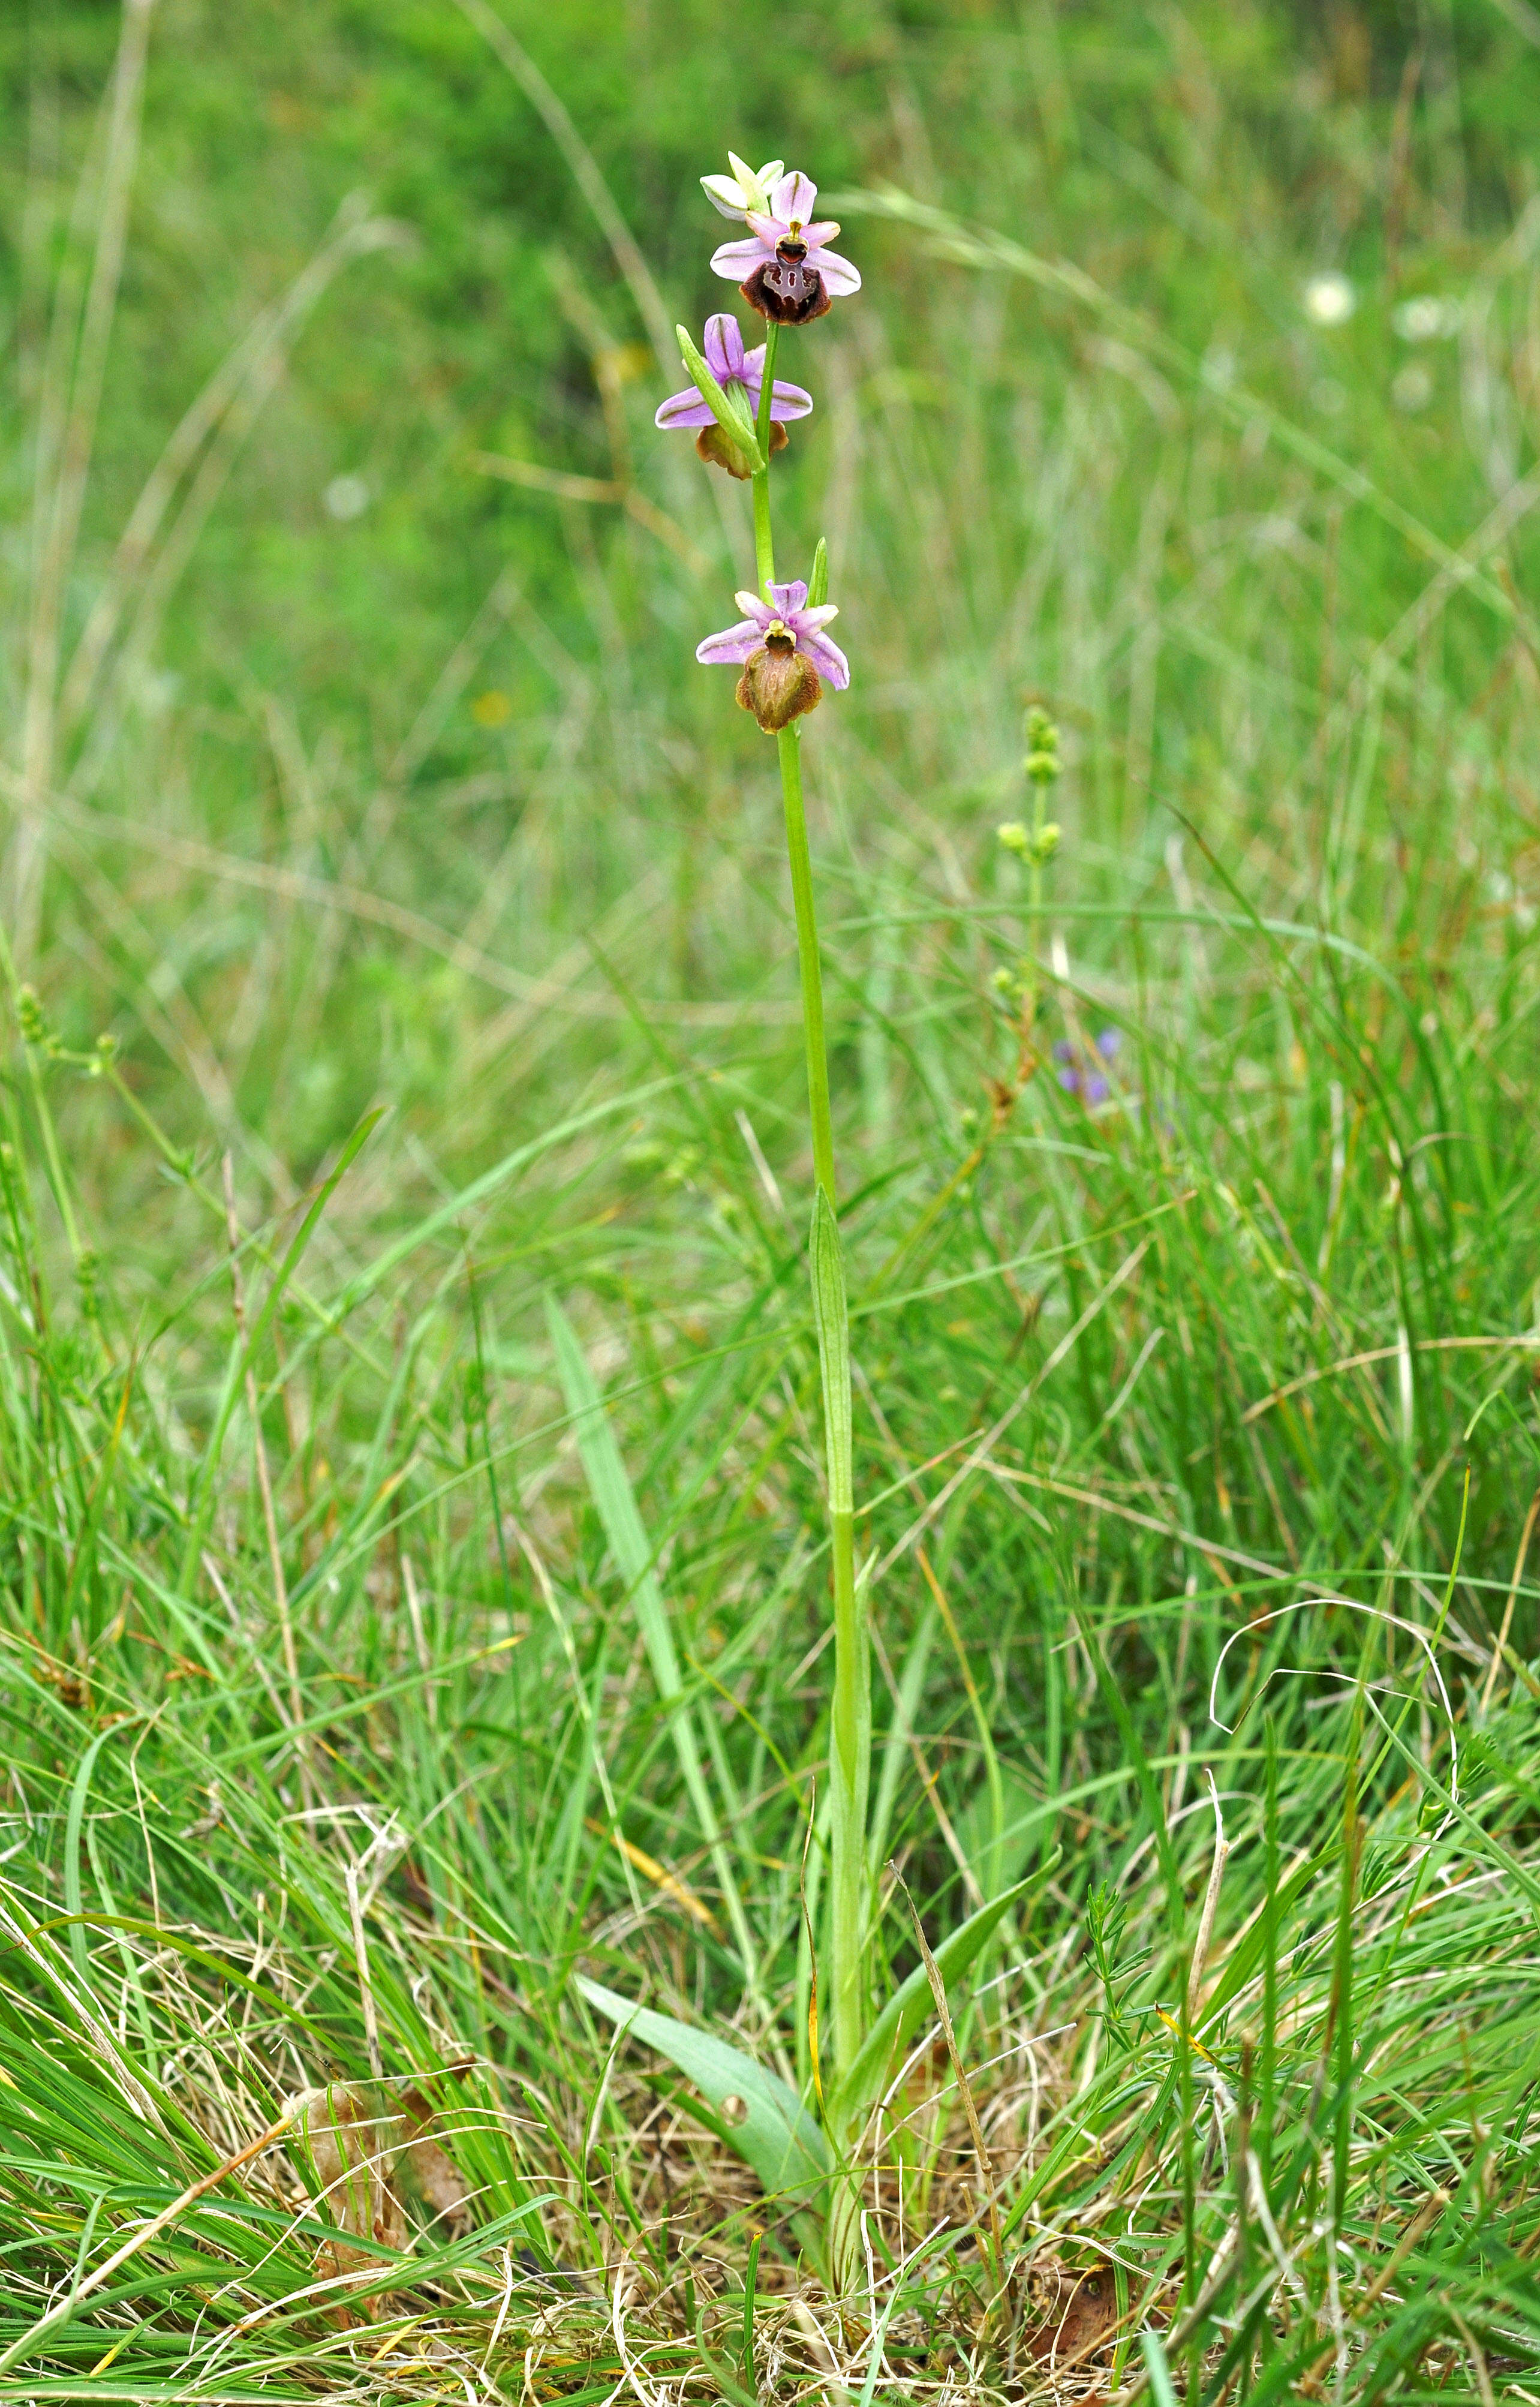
{"points": [[785, 287], [778, 683], [719, 451]]}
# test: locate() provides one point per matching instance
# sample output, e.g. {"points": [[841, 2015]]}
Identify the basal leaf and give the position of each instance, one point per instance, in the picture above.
{"points": [[777, 2137]]}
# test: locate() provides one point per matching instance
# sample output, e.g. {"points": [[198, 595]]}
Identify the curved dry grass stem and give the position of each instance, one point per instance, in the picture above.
{"points": [[986, 2166], [66, 429], [586, 174], [224, 412], [1499, 1649], [1210, 1909]]}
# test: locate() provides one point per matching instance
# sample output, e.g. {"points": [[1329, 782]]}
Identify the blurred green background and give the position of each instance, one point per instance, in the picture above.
{"points": [[1016, 496]]}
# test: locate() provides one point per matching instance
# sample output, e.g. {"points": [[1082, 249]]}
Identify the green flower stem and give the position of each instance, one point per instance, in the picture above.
{"points": [[851, 1717], [1038, 807], [764, 550], [849, 1769], [790, 745]]}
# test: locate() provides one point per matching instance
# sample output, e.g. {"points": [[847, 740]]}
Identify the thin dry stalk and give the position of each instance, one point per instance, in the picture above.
{"points": [[366, 1987], [1490, 1681], [1210, 1908], [249, 368], [265, 1484], [78, 371], [980, 2146], [585, 173]]}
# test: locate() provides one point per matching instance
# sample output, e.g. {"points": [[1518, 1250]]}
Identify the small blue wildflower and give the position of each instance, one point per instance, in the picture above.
{"points": [[1089, 1085]]}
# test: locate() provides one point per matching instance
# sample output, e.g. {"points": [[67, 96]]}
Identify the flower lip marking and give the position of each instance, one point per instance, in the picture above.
{"points": [[779, 637]]}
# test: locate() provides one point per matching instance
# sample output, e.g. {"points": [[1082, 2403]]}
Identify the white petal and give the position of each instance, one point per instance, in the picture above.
{"points": [[723, 194]]}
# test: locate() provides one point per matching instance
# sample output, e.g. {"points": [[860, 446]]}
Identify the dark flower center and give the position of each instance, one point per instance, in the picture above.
{"points": [[787, 289], [779, 638]]}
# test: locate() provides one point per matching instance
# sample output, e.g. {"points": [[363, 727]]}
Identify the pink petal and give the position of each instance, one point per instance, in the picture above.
{"points": [[723, 349], [737, 259], [788, 400], [684, 409], [788, 599], [754, 608], [824, 232], [809, 621], [769, 230], [793, 197], [837, 274], [827, 658], [733, 646]]}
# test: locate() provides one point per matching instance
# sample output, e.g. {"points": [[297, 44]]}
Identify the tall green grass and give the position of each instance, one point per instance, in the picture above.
{"points": [[1195, 1424]]}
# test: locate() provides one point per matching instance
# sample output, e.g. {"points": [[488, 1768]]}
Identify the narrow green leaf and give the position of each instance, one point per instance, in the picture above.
{"points": [[912, 2001], [818, 584], [74, 1821], [611, 1491], [1159, 2372], [616, 1503], [777, 2137]]}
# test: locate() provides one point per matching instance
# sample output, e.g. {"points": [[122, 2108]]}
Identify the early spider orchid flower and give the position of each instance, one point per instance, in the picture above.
{"points": [[784, 654], [787, 274], [730, 364]]}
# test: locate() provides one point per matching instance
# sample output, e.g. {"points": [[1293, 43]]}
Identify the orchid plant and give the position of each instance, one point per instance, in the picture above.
{"points": [[805, 2149]]}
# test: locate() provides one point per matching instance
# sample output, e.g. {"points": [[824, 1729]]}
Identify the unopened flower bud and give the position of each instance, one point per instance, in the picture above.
{"points": [[1045, 843], [1003, 982], [1042, 767], [1013, 836], [30, 1014], [778, 682]]}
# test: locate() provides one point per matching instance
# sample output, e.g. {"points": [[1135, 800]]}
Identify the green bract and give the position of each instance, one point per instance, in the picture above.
{"points": [[729, 409]]}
